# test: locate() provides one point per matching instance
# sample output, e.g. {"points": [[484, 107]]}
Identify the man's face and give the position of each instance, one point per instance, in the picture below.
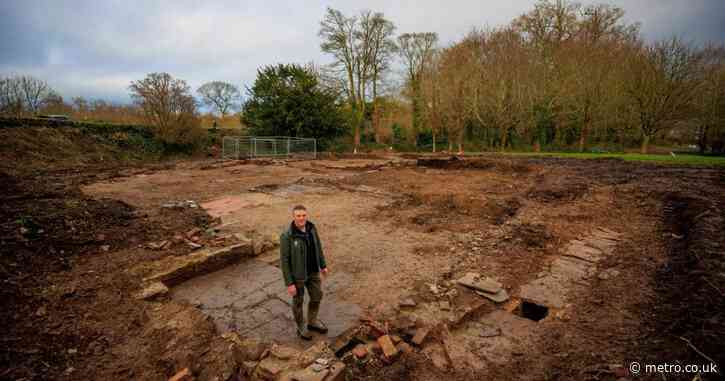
{"points": [[300, 217]]}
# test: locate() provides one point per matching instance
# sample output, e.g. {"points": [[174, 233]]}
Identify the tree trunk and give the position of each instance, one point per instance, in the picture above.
{"points": [[702, 141], [361, 115], [645, 144], [416, 111], [504, 138], [583, 135], [376, 121], [434, 141], [353, 106], [356, 137], [461, 133]]}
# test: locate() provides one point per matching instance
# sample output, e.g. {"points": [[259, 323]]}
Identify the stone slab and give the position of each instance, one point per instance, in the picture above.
{"points": [[569, 269], [513, 335], [337, 371], [499, 297], [250, 297], [547, 291], [583, 252], [173, 270], [478, 282], [151, 291], [603, 244], [606, 233]]}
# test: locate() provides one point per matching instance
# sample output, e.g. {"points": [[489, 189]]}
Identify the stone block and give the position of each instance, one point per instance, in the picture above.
{"points": [[420, 335], [480, 283], [151, 291], [389, 349], [360, 351], [182, 375]]}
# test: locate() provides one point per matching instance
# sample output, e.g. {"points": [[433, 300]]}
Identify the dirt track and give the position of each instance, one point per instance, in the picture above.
{"points": [[393, 230]]}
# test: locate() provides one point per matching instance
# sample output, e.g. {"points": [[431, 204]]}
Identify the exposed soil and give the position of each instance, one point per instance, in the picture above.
{"points": [[69, 236]]}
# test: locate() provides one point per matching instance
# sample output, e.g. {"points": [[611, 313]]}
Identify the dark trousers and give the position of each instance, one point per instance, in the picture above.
{"points": [[313, 284]]}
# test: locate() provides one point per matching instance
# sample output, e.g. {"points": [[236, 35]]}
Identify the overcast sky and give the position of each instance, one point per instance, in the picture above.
{"points": [[95, 48]]}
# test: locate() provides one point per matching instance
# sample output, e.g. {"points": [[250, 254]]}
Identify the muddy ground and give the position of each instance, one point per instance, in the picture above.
{"points": [[72, 241]]}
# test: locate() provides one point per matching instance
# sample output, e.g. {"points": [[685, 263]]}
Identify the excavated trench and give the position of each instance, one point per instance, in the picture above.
{"points": [[250, 299], [248, 296]]}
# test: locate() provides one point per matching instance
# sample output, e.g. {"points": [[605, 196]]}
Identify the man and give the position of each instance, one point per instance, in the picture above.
{"points": [[302, 263]]}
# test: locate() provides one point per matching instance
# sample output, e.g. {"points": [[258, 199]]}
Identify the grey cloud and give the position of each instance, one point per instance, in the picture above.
{"points": [[95, 48]]}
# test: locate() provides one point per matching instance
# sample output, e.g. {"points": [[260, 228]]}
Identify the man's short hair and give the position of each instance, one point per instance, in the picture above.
{"points": [[299, 207]]}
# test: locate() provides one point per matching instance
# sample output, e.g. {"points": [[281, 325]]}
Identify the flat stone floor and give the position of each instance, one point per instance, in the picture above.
{"points": [[251, 299]]}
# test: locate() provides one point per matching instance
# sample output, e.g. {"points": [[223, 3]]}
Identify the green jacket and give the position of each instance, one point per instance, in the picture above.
{"points": [[293, 253]]}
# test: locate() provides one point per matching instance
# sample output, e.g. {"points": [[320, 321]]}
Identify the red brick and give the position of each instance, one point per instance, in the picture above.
{"points": [[389, 349], [182, 375], [360, 351], [404, 347], [420, 335]]}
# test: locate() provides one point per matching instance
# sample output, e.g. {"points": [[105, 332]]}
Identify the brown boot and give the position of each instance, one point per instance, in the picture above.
{"points": [[313, 322]]}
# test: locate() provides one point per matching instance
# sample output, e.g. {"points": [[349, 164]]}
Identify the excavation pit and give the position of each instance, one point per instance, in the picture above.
{"points": [[532, 311]]}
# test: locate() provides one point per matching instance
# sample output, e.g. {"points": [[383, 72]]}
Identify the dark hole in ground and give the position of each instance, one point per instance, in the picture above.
{"points": [[532, 311], [354, 341]]}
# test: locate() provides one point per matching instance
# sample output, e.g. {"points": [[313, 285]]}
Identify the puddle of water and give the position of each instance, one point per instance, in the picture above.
{"points": [[251, 299]]}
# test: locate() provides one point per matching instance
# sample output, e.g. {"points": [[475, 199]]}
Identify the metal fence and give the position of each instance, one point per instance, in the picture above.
{"points": [[250, 147]]}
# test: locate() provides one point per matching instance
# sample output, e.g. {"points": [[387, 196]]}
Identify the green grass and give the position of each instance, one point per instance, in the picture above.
{"points": [[678, 159]]}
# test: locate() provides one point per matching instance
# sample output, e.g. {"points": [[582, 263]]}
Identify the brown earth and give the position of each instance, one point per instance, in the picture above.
{"points": [[70, 235]]}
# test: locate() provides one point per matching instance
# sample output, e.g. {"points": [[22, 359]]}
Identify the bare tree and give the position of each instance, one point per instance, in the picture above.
{"points": [[430, 85], [328, 79], [54, 104], [221, 96], [588, 65], [80, 106], [709, 102], [550, 23], [661, 85], [452, 92], [379, 33], [11, 98], [416, 50], [22, 94], [361, 46], [168, 105], [35, 91], [338, 33]]}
